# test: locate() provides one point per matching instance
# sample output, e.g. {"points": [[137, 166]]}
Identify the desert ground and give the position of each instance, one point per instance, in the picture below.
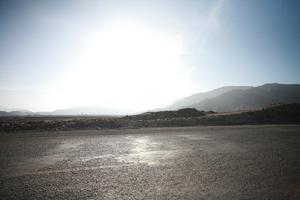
{"points": [[277, 114], [220, 162]]}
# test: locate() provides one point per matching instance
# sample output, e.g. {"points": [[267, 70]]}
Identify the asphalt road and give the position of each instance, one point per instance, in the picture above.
{"points": [[233, 162]]}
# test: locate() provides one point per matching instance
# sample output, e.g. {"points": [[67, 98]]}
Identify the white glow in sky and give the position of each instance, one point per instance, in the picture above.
{"points": [[124, 65], [136, 55]]}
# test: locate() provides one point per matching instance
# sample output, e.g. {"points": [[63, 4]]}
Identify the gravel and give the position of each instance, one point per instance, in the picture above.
{"points": [[224, 162]]}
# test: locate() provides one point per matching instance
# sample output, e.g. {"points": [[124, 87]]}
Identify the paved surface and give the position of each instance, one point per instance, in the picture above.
{"points": [[233, 162]]}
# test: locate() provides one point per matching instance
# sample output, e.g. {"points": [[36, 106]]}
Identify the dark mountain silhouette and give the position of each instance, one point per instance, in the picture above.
{"points": [[198, 97], [251, 98], [224, 99], [186, 112]]}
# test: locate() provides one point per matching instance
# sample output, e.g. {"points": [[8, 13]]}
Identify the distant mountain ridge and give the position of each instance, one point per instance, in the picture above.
{"points": [[224, 99], [16, 113], [228, 99], [89, 110], [198, 97], [83, 110]]}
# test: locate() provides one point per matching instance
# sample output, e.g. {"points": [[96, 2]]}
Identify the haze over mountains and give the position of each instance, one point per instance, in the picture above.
{"points": [[224, 99], [82, 110], [235, 98], [198, 97]]}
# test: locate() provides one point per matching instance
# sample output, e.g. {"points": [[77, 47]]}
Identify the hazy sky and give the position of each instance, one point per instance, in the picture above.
{"points": [[138, 55]]}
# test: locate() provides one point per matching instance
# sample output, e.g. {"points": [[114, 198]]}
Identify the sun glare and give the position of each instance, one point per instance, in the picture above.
{"points": [[125, 65]]}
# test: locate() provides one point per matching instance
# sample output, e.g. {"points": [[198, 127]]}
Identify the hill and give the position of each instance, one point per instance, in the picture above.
{"points": [[224, 99], [243, 98], [277, 114], [186, 112], [198, 97]]}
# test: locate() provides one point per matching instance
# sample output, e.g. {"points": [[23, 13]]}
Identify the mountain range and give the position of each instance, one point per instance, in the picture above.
{"points": [[224, 99], [236, 98], [83, 110]]}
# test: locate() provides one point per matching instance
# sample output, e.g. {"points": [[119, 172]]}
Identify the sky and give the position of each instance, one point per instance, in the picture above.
{"points": [[139, 55]]}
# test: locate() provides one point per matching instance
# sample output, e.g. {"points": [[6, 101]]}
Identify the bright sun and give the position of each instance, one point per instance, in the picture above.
{"points": [[125, 66]]}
